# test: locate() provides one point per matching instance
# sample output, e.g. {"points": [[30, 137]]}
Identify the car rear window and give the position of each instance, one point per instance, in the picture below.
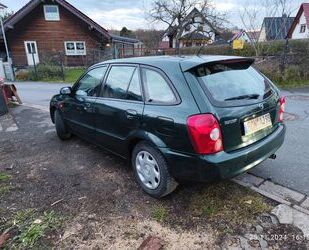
{"points": [[233, 82]]}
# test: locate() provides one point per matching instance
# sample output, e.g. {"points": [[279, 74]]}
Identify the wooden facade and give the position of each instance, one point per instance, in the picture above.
{"points": [[50, 36]]}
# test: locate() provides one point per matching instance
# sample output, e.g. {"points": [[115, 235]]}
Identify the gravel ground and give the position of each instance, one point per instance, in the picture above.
{"points": [[101, 205]]}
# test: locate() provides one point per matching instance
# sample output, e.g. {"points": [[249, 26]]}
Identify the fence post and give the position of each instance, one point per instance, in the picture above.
{"points": [[284, 56], [34, 65], [62, 66]]}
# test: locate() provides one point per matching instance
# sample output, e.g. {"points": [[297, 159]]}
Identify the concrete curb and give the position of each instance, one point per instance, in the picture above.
{"points": [[43, 108], [275, 192]]}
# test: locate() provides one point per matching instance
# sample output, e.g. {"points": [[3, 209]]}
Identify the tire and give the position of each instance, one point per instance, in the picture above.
{"points": [[61, 128], [151, 171]]}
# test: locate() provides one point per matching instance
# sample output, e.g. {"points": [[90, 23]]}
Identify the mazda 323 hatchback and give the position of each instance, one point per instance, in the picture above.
{"points": [[194, 118]]}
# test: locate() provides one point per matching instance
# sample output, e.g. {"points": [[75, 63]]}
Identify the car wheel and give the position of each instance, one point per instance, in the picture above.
{"points": [[61, 128], [151, 171]]}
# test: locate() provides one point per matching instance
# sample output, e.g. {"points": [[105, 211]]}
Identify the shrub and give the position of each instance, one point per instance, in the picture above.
{"points": [[22, 75], [45, 72]]}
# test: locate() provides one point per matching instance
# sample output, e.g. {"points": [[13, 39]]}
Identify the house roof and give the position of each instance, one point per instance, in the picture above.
{"points": [[238, 35], [123, 39], [2, 6], [194, 36], [20, 14], [304, 8], [277, 27]]}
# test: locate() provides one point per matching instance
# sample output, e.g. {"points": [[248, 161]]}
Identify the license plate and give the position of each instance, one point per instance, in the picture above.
{"points": [[257, 124]]}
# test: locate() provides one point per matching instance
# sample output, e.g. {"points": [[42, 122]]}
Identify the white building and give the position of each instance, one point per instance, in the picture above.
{"points": [[196, 31], [300, 26]]}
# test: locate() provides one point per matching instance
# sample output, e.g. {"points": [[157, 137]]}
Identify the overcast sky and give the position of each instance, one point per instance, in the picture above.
{"points": [[114, 14]]}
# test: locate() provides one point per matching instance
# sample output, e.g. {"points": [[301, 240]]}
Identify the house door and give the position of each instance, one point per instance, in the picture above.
{"points": [[32, 52]]}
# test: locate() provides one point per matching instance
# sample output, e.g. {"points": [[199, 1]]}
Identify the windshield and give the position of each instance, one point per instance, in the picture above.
{"points": [[232, 82]]}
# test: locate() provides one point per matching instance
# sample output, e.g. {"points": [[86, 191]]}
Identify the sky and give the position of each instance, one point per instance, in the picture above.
{"points": [[115, 14]]}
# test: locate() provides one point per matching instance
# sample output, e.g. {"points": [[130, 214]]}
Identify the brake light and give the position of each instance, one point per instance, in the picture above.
{"points": [[281, 109], [205, 133]]}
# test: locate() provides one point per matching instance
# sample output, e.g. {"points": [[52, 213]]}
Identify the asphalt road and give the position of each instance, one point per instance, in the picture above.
{"points": [[290, 169], [37, 93]]}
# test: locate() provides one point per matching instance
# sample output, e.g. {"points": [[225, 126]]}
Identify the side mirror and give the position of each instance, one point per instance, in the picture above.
{"points": [[66, 91]]}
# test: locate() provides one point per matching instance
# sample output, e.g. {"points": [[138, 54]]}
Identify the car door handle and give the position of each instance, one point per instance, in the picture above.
{"points": [[130, 113], [87, 106]]}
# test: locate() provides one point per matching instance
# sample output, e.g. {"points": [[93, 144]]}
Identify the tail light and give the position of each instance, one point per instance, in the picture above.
{"points": [[281, 109], [205, 133]]}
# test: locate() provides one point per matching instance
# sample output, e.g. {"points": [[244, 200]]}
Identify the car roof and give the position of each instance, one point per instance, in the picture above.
{"points": [[186, 62]]}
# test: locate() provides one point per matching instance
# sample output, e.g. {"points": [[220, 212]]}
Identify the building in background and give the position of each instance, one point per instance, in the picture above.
{"points": [[275, 28], [300, 26], [196, 31], [43, 30]]}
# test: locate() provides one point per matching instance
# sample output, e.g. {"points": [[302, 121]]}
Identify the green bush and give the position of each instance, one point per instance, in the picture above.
{"points": [[22, 75], [45, 72], [271, 48]]}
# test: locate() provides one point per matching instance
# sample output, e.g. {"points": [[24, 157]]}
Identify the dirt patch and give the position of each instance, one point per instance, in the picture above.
{"points": [[100, 205]]}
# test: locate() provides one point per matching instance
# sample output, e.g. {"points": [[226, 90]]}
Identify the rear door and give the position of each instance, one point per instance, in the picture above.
{"points": [[119, 108], [244, 101]]}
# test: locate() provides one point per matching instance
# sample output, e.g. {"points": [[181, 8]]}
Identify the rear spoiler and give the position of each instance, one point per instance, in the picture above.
{"points": [[192, 63]]}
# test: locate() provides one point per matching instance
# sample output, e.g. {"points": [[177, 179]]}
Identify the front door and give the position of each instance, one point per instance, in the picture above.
{"points": [[79, 109], [119, 109], [32, 53]]}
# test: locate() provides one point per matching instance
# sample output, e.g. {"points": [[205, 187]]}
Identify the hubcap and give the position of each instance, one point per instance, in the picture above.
{"points": [[147, 169]]}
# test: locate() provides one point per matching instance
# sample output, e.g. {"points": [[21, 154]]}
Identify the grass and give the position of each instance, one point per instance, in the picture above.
{"points": [[293, 83], [4, 188], [159, 213], [31, 228], [51, 73], [72, 75], [229, 202], [4, 177]]}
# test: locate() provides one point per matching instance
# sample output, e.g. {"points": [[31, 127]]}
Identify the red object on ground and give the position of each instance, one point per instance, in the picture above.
{"points": [[9, 92]]}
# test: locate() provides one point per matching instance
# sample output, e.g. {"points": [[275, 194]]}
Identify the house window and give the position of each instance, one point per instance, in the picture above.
{"points": [[51, 13], [302, 28], [73, 48]]}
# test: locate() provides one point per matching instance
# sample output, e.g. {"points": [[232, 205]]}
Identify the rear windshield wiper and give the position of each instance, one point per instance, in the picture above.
{"points": [[241, 97]]}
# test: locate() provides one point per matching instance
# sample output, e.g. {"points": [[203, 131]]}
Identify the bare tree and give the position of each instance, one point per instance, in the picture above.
{"points": [[173, 14], [253, 10]]}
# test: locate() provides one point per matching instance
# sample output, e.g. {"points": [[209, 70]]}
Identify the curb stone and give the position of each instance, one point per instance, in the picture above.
{"points": [[274, 191], [294, 206], [40, 107]]}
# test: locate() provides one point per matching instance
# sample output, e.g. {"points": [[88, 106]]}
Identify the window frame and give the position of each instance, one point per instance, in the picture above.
{"points": [[46, 13], [75, 48], [168, 81], [302, 28], [137, 66], [77, 83]]}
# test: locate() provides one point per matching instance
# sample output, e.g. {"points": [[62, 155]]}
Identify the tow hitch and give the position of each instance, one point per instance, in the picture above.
{"points": [[273, 156]]}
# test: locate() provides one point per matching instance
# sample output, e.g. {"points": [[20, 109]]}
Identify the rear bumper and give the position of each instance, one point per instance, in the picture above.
{"points": [[223, 165]]}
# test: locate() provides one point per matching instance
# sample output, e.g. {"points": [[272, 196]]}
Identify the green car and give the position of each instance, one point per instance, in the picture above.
{"points": [[199, 118]]}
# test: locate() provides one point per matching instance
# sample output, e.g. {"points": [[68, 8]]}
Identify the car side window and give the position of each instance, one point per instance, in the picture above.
{"points": [[134, 91], [156, 87], [117, 82], [89, 84]]}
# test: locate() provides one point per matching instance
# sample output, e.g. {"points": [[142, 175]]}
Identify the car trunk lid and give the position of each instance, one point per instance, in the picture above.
{"points": [[244, 101]]}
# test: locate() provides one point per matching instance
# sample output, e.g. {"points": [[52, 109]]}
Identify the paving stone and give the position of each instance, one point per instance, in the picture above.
{"points": [[281, 191], [250, 179], [288, 215], [305, 204]]}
